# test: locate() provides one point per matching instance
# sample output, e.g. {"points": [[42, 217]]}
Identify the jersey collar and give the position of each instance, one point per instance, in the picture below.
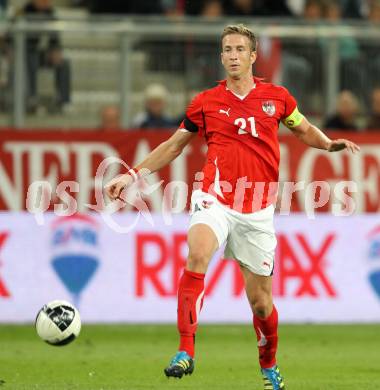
{"points": [[256, 80]]}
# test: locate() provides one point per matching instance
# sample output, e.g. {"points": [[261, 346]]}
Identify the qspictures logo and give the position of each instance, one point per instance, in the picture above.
{"points": [[374, 259]]}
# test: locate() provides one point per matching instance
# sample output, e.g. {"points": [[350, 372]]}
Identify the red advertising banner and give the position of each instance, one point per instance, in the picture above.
{"points": [[63, 156]]}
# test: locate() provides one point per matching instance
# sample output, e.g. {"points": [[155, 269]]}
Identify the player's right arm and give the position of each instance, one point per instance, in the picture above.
{"points": [[161, 156]]}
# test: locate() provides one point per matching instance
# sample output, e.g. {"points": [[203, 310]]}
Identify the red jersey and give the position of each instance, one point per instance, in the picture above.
{"points": [[242, 165]]}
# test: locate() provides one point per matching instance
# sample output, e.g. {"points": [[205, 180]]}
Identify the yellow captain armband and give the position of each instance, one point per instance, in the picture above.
{"points": [[294, 119]]}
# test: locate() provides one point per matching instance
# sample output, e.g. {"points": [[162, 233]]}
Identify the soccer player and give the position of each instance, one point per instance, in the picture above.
{"points": [[239, 119]]}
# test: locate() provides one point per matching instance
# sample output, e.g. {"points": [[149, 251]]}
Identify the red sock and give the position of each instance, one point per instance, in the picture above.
{"points": [[190, 301], [267, 338]]}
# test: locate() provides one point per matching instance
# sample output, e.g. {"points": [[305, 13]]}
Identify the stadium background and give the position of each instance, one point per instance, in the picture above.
{"points": [[121, 55]]}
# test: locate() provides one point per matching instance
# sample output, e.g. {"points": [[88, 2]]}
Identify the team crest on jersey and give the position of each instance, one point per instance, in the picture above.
{"points": [[268, 107]]}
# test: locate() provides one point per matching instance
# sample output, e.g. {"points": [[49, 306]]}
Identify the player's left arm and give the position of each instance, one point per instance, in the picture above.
{"points": [[311, 135]]}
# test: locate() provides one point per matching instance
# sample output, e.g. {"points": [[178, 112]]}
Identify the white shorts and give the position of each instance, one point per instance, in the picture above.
{"points": [[249, 238]]}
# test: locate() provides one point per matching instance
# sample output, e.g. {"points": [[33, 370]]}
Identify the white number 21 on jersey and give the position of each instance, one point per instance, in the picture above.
{"points": [[242, 123]]}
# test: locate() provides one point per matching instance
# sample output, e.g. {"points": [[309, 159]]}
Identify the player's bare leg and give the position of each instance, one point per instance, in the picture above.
{"points": [[202, 245], [259, 294]]}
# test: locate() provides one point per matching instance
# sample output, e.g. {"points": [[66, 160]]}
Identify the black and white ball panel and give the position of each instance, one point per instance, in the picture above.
{"points": [[62, 315], [58, 323]]}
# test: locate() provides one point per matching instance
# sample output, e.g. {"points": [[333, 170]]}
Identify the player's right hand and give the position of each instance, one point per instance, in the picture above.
{"points": [[116, 186]]}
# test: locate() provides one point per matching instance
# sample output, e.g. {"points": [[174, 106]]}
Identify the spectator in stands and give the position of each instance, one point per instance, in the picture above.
{"points": [[212, 9], [333, 11], [173, 7], [347, 110], [374, 12], [350, 8], [313, 11], [241, 8], [110, 118], [45, 50], [154, 117], [374, 121]]}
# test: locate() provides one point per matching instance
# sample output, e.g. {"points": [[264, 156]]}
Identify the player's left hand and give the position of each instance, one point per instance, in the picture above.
{"points": [[339, 144]]}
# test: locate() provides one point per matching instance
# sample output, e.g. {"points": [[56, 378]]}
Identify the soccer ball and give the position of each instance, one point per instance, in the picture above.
{"points": [[58, 323]]}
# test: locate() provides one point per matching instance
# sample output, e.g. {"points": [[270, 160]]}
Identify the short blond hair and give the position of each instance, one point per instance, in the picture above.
{"points": [[241, 30]]}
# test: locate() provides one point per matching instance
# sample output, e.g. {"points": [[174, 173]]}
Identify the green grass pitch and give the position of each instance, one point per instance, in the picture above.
{"points": [[126, 357]]}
